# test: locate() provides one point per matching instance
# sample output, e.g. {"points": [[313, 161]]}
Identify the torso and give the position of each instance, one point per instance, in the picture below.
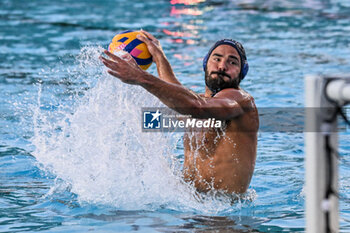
{"points": [[223, 159]]}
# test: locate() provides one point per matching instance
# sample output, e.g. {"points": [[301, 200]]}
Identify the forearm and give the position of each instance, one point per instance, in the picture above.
{"points": [[186, 102], [175, 96], [165, 71]]}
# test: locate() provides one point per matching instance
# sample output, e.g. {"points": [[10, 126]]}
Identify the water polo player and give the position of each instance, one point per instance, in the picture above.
{"points": [[223, 159]]}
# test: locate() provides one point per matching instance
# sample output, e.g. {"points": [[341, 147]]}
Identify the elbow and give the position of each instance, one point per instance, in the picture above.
{"points": [[203, 111], [193, 108], [225, 112], [199, 111], [199, 108]]}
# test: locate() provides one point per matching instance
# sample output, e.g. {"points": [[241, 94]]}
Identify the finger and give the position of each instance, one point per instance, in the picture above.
{"points": [[102, 58], [109, 63], [111, 55], [115, 74], [131, 61], [106, 60], [127, 56], [149, 35], [149, 43], [143, 38]]}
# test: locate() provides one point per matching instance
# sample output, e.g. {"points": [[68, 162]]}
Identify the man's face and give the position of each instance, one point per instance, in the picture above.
{"points": [[223, 68]]}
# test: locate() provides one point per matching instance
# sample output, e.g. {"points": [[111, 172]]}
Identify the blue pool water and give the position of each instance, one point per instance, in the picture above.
{"points": [[72, 157]]}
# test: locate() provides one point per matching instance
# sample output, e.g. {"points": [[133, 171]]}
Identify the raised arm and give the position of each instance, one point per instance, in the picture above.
{"points": [[164, 69], [225, 105]]}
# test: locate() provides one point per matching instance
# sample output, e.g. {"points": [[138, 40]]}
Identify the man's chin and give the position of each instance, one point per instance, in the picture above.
{"points": [[217, 82], [218, 87]]}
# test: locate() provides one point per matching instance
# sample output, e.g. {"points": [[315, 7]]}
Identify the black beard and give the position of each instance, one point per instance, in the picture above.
{"points": [[218, 84]]}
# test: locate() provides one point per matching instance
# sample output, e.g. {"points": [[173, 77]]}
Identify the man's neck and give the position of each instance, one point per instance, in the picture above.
{"points": [[208, 93]]}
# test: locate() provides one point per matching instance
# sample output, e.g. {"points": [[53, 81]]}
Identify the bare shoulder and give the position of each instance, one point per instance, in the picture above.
{"points": [[249, 121], [240, 96]]}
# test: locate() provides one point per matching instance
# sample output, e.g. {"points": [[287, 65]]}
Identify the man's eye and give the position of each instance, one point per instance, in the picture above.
{"points": [[233, 62], [216, 59]]}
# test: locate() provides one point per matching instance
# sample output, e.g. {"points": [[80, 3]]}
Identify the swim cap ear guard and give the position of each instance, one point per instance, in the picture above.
{"points": [[239, 47]]}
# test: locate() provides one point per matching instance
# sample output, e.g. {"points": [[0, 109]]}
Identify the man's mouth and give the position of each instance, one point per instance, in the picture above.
{"points": [[220, 74]]}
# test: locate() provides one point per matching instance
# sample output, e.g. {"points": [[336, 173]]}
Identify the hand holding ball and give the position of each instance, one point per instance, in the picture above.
{"points": [[127, 41]]}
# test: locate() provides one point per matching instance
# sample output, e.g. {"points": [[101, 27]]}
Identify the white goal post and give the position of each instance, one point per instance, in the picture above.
{"points": [[322, 95]]}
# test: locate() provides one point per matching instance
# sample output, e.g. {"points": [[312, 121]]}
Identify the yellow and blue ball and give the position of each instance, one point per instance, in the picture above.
{"points": [[128, 42]]}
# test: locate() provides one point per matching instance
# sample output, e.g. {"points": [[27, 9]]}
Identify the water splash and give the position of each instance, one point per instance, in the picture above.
{"points": [[94, 143]]}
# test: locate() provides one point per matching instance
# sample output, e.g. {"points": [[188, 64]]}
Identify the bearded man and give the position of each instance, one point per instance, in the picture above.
{"points": [[221, 160]]}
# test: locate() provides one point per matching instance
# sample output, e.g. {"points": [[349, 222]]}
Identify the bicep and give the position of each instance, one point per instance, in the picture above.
{"points": [[226, 105], [219, 108], [226, 109]]}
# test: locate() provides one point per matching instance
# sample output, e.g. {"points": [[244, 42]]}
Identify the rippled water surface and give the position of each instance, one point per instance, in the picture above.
{"points": [[72, 154]]}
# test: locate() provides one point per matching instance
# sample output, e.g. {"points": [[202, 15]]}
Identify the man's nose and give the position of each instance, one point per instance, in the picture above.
{"points": [[222, 66]]}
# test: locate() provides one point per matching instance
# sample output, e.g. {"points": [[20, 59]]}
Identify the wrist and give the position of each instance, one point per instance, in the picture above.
{"points": [[146, 79], [159, 57]]}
